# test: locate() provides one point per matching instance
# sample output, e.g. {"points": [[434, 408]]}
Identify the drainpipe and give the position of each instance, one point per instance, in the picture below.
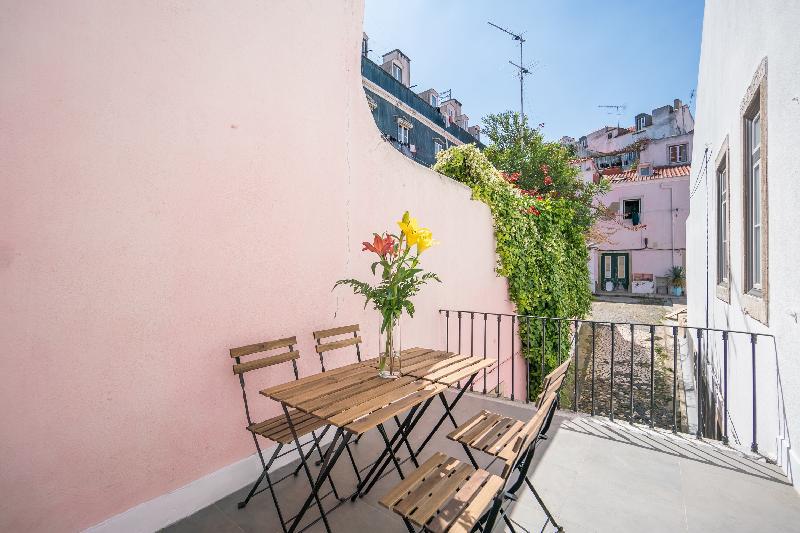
{"points": [[664, 186]]}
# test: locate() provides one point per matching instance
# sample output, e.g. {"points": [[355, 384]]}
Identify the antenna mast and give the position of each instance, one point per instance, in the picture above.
{"points": [[618, 108], [522, 70]]}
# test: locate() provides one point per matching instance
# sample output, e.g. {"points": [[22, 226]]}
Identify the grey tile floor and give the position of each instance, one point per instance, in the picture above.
{"points": [[595, 475]]}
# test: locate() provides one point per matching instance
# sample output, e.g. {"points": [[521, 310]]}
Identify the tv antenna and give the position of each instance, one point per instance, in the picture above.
{"points": [[522, 71], [617, 108]]}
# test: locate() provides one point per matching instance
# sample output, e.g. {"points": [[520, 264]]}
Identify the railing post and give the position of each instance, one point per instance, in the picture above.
{"points": [[513, 382], [652, 372], [674, 379], [594, 331], [541, 370], [611, 396], [698, 386], [459, 332], [472, 342], [753, 340], [447, 331], [725, 387], [574, 365], [559, 342], [499, 318], [485, 324], [631, 384], [528, 362]]}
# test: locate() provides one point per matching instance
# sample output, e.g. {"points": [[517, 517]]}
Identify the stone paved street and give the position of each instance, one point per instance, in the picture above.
{"points": [[622, 313]]}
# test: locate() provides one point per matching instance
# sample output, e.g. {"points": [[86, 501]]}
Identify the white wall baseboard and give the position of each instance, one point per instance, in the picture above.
{"points": [[168, 508]]}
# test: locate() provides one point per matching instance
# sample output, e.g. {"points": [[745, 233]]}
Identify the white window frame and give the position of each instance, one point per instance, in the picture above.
{"points": [[754, 214], [403, 134], [622, 209], [397, 72], [753, 222], [437, 147], [433, 100], [641, 123], [723, 223], [680, 158]]}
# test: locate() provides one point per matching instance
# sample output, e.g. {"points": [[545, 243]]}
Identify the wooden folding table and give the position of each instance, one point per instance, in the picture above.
{"points": [[355, 399]]}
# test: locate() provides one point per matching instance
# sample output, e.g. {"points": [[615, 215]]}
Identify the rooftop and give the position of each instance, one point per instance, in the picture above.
{"points": [[594, 474], [617, 175]]}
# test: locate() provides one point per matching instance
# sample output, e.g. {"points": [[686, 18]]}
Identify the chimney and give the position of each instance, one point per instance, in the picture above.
{"points": [[677, 104]]}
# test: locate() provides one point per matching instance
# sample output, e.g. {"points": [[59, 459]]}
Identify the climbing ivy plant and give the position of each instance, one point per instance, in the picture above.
{"points": [[541, 250]]}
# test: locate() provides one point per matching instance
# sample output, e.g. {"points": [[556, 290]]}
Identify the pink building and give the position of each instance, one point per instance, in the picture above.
{"points": [[648, 167]]}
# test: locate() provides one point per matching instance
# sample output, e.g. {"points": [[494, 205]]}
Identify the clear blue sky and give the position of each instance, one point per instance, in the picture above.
{"points": [[641, 53]]}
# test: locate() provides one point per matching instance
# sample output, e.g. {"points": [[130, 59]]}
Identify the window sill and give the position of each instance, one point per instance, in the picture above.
{"points": [[724, 292], [755, 305]]}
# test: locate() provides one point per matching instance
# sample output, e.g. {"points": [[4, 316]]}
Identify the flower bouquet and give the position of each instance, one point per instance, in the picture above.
{"points": [[400, 279]]}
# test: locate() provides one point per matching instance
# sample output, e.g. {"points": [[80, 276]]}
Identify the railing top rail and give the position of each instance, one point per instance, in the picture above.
{"points": [[603, 321]]}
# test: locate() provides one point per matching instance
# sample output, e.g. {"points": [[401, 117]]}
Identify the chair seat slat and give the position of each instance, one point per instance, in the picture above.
{"points": [[401, 489], [454, 508], [277, 428], [417, 496], [444, 493], [441, 493]]}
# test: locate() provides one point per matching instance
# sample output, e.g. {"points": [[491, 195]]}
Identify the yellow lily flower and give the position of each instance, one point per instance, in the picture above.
{"points": [[424, 240], [410, 228]]}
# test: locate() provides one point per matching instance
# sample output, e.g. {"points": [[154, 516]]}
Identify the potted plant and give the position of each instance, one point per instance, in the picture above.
{"points": [[400, 279], [677, 278]]}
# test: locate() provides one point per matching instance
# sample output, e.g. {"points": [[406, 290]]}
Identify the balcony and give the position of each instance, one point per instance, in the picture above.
{"points": [[594, 474]]}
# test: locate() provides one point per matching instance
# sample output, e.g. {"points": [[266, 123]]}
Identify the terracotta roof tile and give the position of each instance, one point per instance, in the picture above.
{"points": [[617, 175]]}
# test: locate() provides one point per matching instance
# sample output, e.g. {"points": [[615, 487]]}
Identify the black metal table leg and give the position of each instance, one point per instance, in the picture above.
{"points": [[447, 413], [391, 451], [314, 486], [378, 467], [404, 435], [373, 480]]}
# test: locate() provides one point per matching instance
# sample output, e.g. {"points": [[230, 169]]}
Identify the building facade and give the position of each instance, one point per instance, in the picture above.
{"points": [[744, 246], [419, 125], [644, 233]]}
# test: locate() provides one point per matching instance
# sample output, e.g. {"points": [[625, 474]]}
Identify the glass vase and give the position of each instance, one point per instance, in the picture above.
{"points": [[390, 346]]}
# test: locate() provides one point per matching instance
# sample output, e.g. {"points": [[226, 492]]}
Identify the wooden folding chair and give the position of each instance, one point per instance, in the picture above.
{"points": [[490, 433], [324, 347], [276, 428], [553, 382], [448, 495]]}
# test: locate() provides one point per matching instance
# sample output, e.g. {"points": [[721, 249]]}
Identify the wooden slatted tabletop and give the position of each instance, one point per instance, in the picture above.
{"points": [[354, 397]]}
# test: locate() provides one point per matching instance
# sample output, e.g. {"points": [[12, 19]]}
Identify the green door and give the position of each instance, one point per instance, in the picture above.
{"points": [[615, 270]]}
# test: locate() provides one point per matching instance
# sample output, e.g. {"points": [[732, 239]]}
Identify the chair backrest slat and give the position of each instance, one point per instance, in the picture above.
{"points": [[263, 346], [335, 331], [241, 368], [516, 448], [553, 380], [336, 345], [323, 347]]}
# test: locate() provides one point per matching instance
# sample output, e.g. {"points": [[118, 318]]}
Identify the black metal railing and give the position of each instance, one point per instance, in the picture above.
{"points": [[626, 370]]}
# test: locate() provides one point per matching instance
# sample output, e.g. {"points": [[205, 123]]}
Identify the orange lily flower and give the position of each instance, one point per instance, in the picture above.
{"points": [[382, 246]]}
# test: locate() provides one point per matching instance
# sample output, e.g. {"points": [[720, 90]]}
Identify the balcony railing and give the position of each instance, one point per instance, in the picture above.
{"points": [[639, 372]]}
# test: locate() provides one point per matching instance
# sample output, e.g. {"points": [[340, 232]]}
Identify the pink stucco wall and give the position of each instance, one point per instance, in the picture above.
{"points": [[168, 194], [665, 206]]}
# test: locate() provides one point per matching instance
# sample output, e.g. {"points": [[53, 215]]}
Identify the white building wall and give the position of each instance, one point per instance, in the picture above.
{"points": [[737, 36]]}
